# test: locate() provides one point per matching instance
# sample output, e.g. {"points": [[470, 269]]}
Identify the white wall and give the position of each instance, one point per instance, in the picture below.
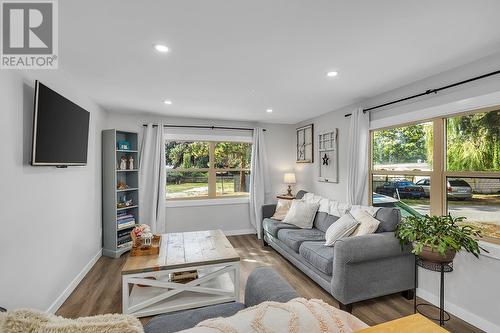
{"points": [[307, 174], [51, 218], [472, 289], [232, 218]]}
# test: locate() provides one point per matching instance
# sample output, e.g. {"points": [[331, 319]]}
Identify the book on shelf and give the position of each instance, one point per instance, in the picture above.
{"points": [[125, 244], [126, 225], [124, 239], [123, 233], [131, 219]]}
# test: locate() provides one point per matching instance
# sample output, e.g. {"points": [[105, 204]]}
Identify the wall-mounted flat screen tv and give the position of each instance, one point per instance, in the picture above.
{"points": [[60, 130]]}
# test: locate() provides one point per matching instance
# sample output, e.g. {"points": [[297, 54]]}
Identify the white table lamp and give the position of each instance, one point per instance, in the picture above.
{"points": [[289, 179]]}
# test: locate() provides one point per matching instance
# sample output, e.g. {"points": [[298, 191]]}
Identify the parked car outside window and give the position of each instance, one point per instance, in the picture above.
{"points": [[455, 188], [401, 189]]}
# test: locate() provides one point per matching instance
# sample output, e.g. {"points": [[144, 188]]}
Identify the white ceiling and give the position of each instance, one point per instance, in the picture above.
{"points": [[233, 59]]}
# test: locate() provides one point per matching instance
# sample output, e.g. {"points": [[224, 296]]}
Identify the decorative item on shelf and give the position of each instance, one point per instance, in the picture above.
{"points": [[145, 243], [438, 238], [289, 179], [125, 203], [131, 163], [328, 152], [305, 144], [184, 277], [122, 186], [123, 163], [123, 145]]}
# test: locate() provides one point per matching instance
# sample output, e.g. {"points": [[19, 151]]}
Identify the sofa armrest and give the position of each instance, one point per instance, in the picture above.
{"points": [[264, 284], [368, 247], [268, 210]]}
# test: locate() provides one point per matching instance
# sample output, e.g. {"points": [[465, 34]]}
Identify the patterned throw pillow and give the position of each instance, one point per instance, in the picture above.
{"points": [[367, 223], [298, 316], [282, 209], [343, 227], [301, 214]]}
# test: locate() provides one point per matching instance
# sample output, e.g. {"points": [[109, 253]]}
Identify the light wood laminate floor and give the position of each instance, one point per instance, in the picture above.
{"points": [[100, 291]]}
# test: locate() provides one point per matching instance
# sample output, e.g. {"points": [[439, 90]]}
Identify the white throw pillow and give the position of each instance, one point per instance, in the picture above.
{"points": [[282, 209], [367, 223], [301, 214], [297, 315], [343, 227]]}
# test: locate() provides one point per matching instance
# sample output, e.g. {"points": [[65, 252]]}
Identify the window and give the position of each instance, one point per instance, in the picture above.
{"points": [[458, 155], [207, 169], [401, 168]]}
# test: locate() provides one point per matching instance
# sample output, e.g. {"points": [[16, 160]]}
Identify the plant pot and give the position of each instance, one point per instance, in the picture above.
{"points": [[432, 255]]}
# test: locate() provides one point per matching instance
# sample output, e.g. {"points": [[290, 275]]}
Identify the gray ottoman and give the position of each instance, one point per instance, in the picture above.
{"points": [[263, 284]]}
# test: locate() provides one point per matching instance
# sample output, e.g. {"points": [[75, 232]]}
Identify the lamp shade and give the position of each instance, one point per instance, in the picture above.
{"points": [[289, 178]]}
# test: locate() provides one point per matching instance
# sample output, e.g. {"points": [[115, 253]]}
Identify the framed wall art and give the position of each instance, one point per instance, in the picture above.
{"points": [[328, 157], [305, 144]]}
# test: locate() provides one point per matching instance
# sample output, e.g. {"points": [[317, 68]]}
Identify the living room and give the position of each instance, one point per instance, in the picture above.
{"points": [[296, 147]]}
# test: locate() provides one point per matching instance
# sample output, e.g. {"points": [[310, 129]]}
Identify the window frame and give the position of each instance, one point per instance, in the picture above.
{"points": [[439, 174], [211, 170]]}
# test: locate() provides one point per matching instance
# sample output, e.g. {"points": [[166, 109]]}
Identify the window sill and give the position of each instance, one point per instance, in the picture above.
{"points": [[493, 248], [207, 202]]}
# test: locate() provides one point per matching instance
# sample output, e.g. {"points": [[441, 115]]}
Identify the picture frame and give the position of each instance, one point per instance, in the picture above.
{"points": [[123, 145], [305, 144]]}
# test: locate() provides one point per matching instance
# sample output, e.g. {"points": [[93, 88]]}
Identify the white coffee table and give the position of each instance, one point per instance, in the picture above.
{"points": [[147, 289]]}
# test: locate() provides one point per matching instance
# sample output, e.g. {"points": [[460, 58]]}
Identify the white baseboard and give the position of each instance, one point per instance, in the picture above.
{"points": [[240, 232], [69, 289], [461, 313]]}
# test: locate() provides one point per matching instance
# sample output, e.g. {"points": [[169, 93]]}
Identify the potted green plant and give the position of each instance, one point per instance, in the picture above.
{"points": [[438, 238]]}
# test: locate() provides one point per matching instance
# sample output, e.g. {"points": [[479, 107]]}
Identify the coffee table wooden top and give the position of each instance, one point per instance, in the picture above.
{"points": [[185, 249]]}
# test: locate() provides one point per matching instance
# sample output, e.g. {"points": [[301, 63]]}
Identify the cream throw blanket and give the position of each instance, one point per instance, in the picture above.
{"points": [[296, 316], [29, 321]]}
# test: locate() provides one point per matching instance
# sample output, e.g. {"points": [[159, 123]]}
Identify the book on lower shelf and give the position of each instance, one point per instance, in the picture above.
{"points": [[128, 244], [125, 220]]}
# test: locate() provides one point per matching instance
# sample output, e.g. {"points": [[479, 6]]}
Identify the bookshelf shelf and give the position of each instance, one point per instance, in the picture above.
{"points": [[115, 237], [125, 208], [128, 189]]}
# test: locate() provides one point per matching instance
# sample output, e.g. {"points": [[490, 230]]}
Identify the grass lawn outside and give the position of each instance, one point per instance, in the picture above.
{"points": [[199, 189], [477, 199]]}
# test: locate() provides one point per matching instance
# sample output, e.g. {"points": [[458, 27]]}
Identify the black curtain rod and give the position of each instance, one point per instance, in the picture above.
{"points": [[428, 92], [205, 127]]}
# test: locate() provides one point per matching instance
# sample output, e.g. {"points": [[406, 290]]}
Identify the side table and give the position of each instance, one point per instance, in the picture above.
{"points": [[445, 267], [284, 196]]}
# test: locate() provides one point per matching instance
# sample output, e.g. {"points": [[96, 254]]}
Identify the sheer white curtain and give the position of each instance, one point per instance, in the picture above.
{"points": [[152, 178], [357, 178], [259, 179]]}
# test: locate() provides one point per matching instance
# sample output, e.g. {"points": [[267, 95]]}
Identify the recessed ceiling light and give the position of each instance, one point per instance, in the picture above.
{"points": [[161, 48], [269, 110], [168, 102], [332, 74]]}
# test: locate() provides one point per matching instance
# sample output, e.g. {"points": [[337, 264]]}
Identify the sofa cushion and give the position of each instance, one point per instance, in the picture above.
{"points": [[389, 219], [323, 220], [318, 255], [293, 238], [272, 226]]}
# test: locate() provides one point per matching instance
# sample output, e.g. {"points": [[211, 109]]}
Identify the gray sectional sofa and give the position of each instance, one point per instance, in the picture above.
{"points": [[355, 268]]}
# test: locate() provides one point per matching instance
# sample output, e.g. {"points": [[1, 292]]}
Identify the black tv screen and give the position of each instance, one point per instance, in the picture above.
{"points": [[60, 130]]}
